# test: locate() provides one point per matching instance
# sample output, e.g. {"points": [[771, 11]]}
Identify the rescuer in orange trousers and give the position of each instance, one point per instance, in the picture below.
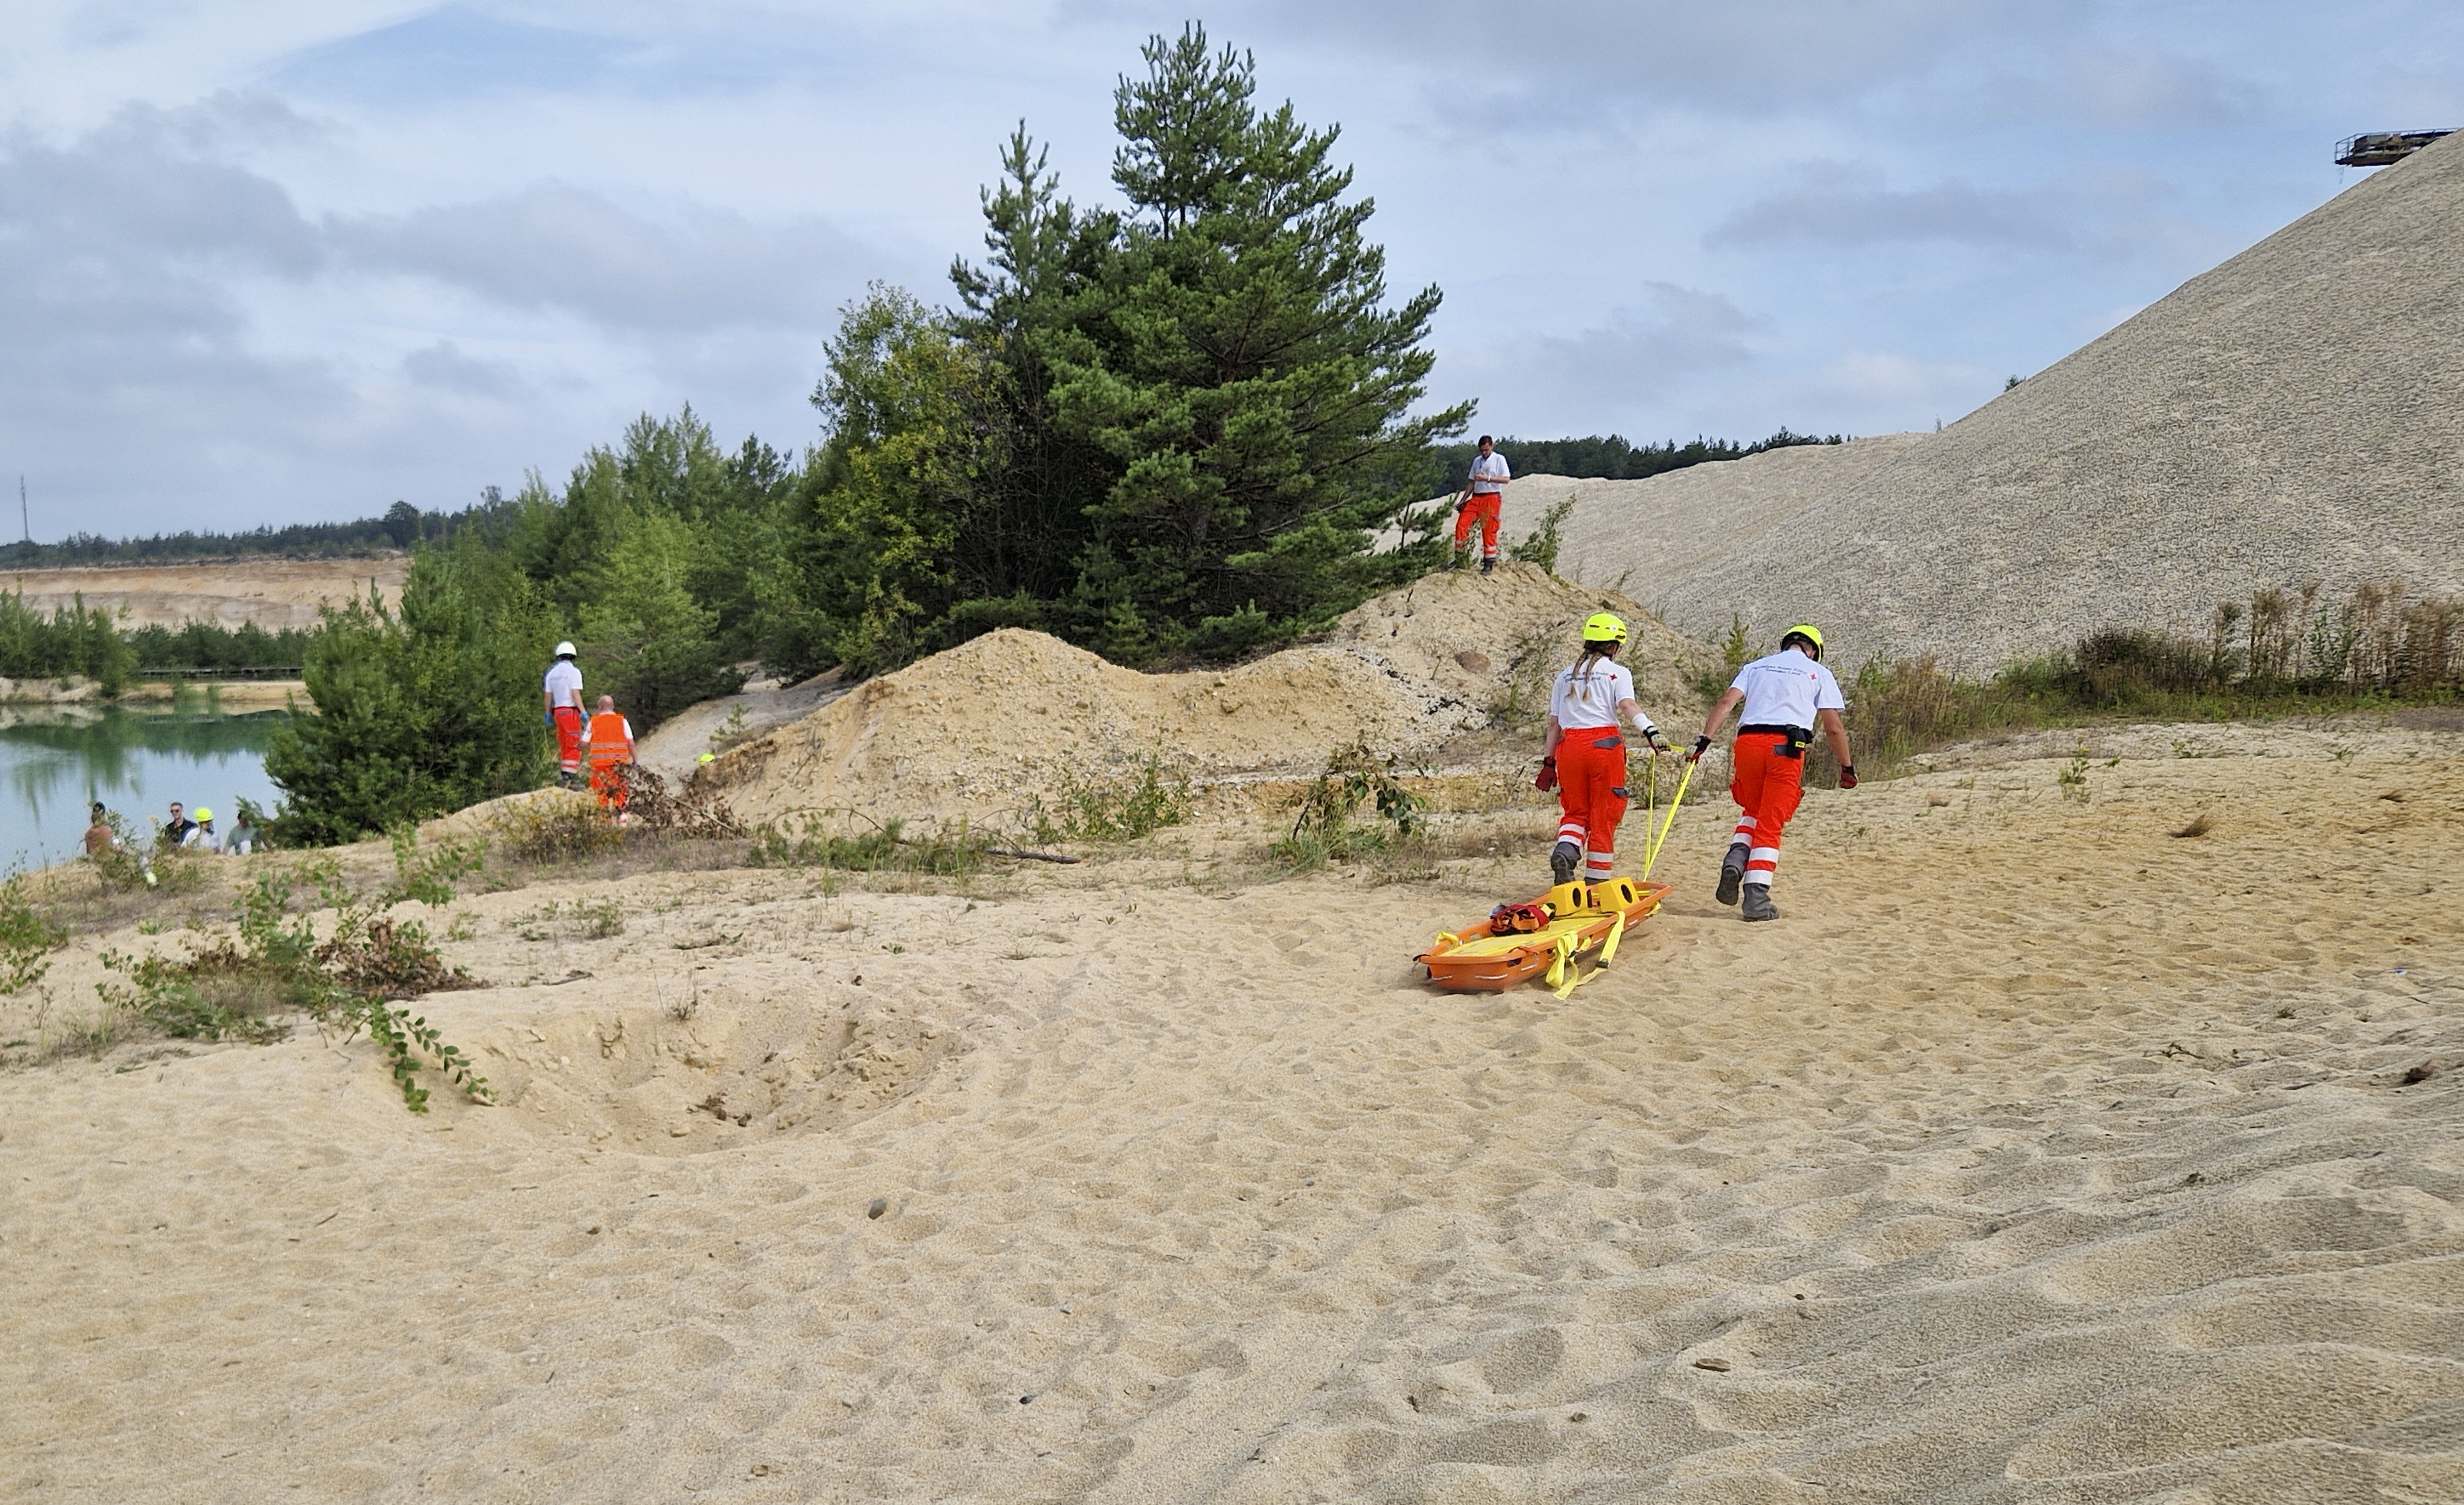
{"points": [[1584, 758], [562, 689], [608, 744], [1483, 500], [1785, 696]]}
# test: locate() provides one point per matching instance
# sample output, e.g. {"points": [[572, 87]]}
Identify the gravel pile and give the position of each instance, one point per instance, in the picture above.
{"points": [[2296, 414]]}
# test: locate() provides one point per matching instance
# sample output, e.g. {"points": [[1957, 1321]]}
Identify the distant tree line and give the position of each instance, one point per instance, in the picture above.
{"points": [[402, 527], [1611, 457]]}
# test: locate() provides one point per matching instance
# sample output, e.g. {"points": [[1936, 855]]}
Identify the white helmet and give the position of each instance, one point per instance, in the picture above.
{"points": [[564, 650]]}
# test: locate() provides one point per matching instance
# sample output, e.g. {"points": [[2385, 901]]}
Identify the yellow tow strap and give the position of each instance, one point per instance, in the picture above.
{"points": [[1651, 853]]}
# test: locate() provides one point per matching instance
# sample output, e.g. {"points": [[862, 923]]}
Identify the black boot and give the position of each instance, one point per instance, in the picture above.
{"points": [[1732, 872], [1563, 860], [1758, 903], [1489, 566]]}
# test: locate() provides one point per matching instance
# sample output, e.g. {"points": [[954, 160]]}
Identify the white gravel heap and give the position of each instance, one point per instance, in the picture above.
{"points": [[2296, 413]]}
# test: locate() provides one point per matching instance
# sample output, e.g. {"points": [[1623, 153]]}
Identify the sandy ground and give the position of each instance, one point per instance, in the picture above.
{"points": [[272, 593], [2037, 1155]]}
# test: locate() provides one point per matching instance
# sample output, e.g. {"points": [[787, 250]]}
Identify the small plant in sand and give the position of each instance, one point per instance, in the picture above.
{"points": [[553, 828], [1541, 544], [2073, 779], [1089, 809], [235, 985], [810, 840], [1322, 821], [27, 938]]}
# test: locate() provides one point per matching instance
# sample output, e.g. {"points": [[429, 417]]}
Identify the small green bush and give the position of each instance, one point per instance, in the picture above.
{"points": [[1114, 809]]}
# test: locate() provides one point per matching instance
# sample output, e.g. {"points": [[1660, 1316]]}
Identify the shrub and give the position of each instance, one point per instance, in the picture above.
{"points": [[1113, 810], [232, 986], [417, 714], [1322, 829]]}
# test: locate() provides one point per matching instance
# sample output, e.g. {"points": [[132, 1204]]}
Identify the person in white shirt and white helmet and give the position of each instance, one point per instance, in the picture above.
{"points": [[562, 691], [1584, 756], [1785, 697]]}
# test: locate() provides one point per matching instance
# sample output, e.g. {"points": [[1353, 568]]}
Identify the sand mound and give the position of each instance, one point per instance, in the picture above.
{"points": [[2296, 413], [272, 593], [983, 729], [2036, 1156]]}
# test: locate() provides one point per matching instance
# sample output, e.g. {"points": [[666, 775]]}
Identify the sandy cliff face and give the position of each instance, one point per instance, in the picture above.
{"points": [[272, 593]]}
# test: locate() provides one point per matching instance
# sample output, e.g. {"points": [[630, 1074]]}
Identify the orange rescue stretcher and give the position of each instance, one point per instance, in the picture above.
{"points": [[1570, 922]]}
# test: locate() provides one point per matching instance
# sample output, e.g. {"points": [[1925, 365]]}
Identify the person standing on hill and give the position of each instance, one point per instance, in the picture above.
{"points": [[1483, 498], [1785, 696], [563, 692], [1584, 756], [608, 744]]}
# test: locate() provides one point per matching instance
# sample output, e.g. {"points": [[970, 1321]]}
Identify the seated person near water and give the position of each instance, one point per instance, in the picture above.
{"points": [[200, 835], [99, 835], [175, 831]]}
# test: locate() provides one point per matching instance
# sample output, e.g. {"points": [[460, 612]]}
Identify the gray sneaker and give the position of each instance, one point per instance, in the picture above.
{"points": [[1563, 860], [1732, 873], [1758, 903]]}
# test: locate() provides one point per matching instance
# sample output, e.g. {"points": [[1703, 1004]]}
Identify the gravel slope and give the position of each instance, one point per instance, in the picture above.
{"points": [[2296, 413]]}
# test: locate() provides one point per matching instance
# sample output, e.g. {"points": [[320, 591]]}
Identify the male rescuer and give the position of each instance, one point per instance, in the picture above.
{"points": [[1584, 758], [1786, 696], [1483, 495], [563, 692], [609, 743]]}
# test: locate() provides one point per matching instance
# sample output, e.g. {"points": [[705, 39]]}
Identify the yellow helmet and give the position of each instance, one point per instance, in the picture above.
{"points": [[203, 813], [1604, 627], [1807, 633]]}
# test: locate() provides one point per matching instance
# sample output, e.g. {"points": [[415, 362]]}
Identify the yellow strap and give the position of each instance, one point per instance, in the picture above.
{"points": [[1608, 948], [1651, 853], [1560, 955]]}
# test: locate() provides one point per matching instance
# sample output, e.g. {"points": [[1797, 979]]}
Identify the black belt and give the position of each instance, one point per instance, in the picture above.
{"points": [[1767, 729]]}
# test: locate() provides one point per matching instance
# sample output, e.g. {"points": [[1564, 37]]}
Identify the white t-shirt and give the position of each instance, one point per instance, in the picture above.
{"points": [[1786, 690], [1592, 701], [1487, 471], [564, 684]]}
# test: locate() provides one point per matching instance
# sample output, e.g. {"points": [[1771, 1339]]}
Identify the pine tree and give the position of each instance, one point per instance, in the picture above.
{"points": [[418, 712], [1242, 375]]}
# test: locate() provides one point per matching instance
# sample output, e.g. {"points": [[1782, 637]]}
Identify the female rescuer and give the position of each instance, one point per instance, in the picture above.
{"points": [[1785, 697], [1584, 759]]}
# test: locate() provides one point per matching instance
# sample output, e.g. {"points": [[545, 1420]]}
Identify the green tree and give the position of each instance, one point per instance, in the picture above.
{"points": [[1241, 374], [644, 636], [883, 512], [419, 711]]}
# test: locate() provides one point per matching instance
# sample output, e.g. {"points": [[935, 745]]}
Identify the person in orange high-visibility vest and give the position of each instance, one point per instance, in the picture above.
{"points": [[606, 743]]}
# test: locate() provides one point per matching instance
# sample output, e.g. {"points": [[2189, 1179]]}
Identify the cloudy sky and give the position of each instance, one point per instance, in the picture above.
{"points": [[283, 260]]}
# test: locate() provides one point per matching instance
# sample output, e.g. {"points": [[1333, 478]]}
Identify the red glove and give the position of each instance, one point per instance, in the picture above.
{"points": [[1547, 778], [1847, 776]]}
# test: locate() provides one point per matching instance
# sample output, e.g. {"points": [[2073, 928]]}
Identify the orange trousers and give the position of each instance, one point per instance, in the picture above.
{"points": [[1482, 508], [568, 738], [1592, 794], [1768, 787], [608, 784]]}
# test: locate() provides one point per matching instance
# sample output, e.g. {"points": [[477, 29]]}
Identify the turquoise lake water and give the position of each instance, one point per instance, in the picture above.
{"points": [[55, 759]]}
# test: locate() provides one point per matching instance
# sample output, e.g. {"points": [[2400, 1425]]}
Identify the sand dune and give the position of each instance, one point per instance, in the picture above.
{"points": [[2037, 1155], [2296, 413], [988, 727]]}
